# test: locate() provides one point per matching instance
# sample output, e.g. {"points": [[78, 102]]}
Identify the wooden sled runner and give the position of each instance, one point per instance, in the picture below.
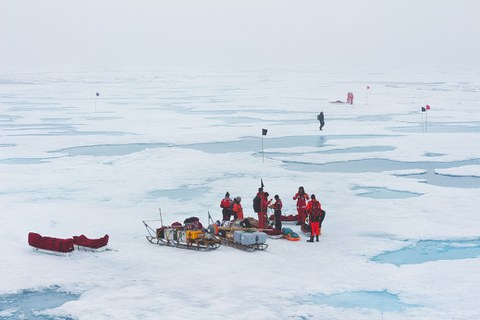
{"points": [[188, 236]]}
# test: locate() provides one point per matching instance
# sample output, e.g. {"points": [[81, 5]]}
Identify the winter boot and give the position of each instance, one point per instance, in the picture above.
{"points": [[317, 238], [311, 239]]}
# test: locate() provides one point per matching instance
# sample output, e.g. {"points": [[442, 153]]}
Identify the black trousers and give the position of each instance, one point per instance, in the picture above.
{"points": [[278, 219]]}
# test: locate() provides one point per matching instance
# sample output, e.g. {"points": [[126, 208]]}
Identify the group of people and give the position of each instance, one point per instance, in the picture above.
{"points": [[321, 116], [350, 98], [260, 205], [231, 208], [307, 207], [311, 210]]}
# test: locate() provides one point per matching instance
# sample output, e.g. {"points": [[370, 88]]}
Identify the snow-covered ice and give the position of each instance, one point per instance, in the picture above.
{"points": [[179, 139]]}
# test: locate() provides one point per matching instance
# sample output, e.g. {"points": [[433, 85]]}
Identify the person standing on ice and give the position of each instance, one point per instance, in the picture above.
{"points": [[277, 212], [301, 198], [350, 97], [315, 217], [237, 209], [226, 205], [321, 118], [262, 213]]}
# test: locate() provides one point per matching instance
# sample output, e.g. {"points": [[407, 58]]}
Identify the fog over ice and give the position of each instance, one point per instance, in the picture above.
{"points": [[346, 34]]}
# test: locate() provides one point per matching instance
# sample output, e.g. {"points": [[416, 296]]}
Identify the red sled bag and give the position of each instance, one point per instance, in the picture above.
{"points": [[83, 241], [51, 244]]}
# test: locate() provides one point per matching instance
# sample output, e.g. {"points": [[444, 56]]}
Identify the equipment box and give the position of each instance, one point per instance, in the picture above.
{"points": [[260, 237], [237, 236], [168, 234], [160, 233], [248, 238], [194, 234]]}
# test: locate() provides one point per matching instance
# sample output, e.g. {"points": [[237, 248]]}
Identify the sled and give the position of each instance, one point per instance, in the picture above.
{"points": [[186, 236], [82, 243], [290, 238], [290, 235], [306, 229], [277, 234], [229, 241], [50, 245], [274, 233], [230, 236], [285, 218]]}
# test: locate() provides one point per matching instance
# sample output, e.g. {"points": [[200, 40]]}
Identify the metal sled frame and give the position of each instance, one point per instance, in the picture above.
{"points": [[200, 244], [249, 248], [55, 253], [88, 249]]}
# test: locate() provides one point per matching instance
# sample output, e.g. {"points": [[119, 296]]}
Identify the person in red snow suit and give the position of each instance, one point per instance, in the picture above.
{"points": [[315, 217], [301, 198], [350, 97], [277, 212], [226, 205], [237, 209], [262, 214]]}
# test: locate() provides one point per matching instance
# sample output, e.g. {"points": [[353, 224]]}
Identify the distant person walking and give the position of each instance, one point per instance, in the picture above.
{"points": [[321, 118]]}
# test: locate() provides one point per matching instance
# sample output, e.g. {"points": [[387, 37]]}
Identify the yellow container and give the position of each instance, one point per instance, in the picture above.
{"points": [[194, 234]]}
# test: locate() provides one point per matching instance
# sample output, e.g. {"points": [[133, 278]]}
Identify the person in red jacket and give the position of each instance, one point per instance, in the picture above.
{"points": [[262, 214], [226, 205], [277, 212], [237, 209], [301, 198], [350, 97], [315, 217]]}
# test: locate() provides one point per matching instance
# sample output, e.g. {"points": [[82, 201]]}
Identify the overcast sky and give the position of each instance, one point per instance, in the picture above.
{"points": [[243, 33]]}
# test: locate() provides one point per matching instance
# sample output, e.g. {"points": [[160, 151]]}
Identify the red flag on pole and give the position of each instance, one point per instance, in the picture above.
{"points": [[428, 107]]}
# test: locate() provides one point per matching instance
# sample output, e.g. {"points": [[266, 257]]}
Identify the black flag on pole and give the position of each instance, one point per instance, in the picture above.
{"points": [[97, 94], [423, 109], [264, 132]]}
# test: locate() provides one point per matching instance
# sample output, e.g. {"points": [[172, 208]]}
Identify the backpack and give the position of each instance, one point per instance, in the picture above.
{"points": [[246, 223], [316, 212], [256, 203]]}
